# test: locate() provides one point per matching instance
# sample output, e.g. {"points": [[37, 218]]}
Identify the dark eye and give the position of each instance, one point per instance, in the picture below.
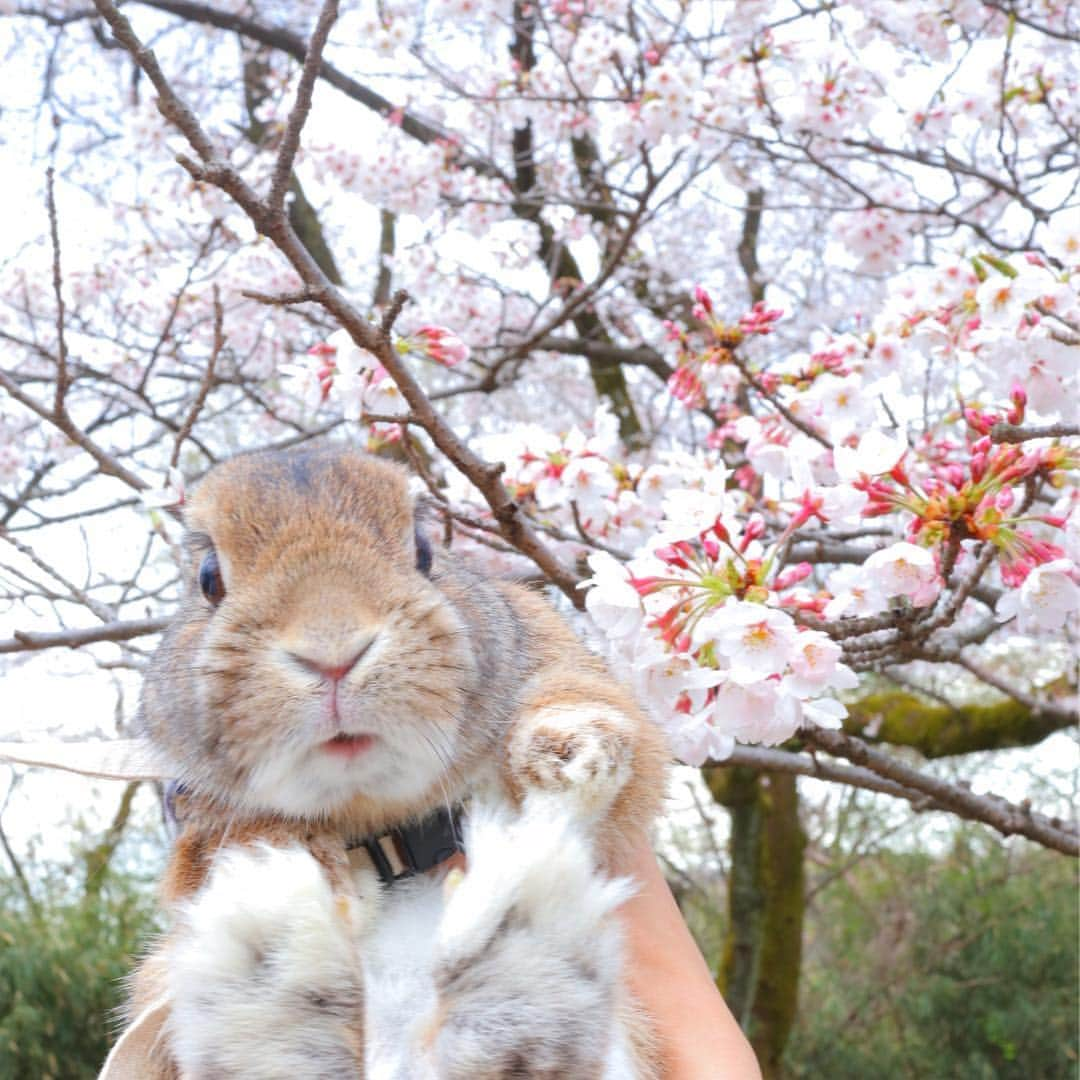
{"points": [[423, 553], [210, 580]]}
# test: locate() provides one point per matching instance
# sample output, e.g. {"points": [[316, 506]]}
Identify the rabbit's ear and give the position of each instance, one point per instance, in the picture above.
{"points": [[130, 1058], [110, 759]]}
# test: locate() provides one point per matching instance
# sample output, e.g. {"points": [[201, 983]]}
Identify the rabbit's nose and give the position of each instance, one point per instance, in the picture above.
{"points": [[331, 667]]}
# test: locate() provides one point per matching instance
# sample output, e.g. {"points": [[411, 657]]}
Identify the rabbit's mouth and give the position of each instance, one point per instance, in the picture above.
{"points": [[348, 746]]}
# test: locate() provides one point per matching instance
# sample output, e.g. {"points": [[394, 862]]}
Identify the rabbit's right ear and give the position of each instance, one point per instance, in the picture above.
{"points": [[109, 759]]}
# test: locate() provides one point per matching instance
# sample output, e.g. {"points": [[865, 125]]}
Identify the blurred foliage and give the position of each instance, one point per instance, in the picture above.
{"points": [[961, 965], [64, 953]]}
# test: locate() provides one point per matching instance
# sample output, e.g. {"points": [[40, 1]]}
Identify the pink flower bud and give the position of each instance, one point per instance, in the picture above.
{"points": [[442, 345], [671, 555], [759, 319], [976, 420], [1004, 498], [644, 585], [793, 575], [703, 298], [755, 528], [1015, 572]]}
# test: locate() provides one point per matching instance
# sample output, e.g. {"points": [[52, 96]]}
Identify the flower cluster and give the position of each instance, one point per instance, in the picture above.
{"points": [[339, 369], [698, 623]]}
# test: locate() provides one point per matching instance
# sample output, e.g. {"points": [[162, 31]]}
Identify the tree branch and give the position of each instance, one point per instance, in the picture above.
{"points": [[1015, 433], [34, 641], [1005, 817], [276, 227]]}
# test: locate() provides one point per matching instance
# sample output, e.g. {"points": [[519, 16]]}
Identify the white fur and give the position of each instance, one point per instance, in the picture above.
{"points": [[264, 973], [528, 958], [301, 778]]}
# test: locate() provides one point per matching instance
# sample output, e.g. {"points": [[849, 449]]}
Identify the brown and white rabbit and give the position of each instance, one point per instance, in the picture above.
{"points": [[328, 678]]}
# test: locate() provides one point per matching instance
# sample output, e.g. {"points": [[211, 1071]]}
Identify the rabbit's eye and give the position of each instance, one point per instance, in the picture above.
{"points": [[423, 553], [210, 580]]}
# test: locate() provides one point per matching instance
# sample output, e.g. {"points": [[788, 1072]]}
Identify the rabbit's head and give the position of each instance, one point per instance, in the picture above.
{"points": [[314, 661]]}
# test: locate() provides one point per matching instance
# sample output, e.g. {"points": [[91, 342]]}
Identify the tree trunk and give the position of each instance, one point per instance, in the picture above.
{"points": [[759, 973]]}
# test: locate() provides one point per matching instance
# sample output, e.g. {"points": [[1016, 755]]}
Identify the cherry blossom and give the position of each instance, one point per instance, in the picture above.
{"points": [[904, 571], [749, 326], [1048, 597]]}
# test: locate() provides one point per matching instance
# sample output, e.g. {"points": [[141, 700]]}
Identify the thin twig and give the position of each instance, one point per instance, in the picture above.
{"points": [[33, 641], [63, 374], [298, 115], [205, 384]]}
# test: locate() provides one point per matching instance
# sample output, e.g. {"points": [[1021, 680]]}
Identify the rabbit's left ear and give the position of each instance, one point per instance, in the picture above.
{"points": [[110, 759]]}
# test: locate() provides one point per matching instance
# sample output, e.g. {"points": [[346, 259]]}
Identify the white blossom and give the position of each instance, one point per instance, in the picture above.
{"points": [[904, 570], [1047, 598]]}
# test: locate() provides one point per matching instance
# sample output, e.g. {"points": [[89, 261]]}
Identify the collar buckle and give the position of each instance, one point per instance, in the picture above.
{"points": [[414, 849]]}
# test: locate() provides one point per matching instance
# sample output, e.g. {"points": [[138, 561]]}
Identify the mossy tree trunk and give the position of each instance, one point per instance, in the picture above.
{"points": [[759, 973], [937, 729]]}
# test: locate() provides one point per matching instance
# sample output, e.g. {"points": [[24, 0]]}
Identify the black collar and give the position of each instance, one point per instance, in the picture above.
{"points": [[413, 849], [397, 853]]}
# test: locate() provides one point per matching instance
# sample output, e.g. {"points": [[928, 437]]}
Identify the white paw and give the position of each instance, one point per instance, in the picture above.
{"points": [[529, 955], [583, 754], [264, 974]]}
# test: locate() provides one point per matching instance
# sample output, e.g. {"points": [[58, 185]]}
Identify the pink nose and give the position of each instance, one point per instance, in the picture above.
{"points": [[331, 671]]}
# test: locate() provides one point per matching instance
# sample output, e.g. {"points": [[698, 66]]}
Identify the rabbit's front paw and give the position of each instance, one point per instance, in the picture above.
{"points": [[529, 956], [585, 753], [264, 975]]}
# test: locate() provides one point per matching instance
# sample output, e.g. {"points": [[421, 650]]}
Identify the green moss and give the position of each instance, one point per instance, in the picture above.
{"points": [[937, 730]]}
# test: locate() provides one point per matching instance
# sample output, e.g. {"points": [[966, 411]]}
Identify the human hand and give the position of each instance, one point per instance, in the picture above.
{"points": [[698, 1036]]}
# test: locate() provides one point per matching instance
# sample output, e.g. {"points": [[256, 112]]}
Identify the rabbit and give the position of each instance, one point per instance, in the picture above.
{"points": [[329, 676]]}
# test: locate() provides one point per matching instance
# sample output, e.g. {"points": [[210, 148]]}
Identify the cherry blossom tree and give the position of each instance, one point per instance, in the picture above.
{"points": [[749, 329]]}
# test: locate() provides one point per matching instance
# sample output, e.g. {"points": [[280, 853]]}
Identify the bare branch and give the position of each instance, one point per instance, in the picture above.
{"points": [[16, 865], [205, 383], [301, 296], [1007, 818], [1016, 433], [290, 142], [63, 375], [32, 641]]}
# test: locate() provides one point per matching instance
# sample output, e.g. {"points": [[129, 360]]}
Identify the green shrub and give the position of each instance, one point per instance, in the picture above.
{"points": [[61, 971], [960, 966]]}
